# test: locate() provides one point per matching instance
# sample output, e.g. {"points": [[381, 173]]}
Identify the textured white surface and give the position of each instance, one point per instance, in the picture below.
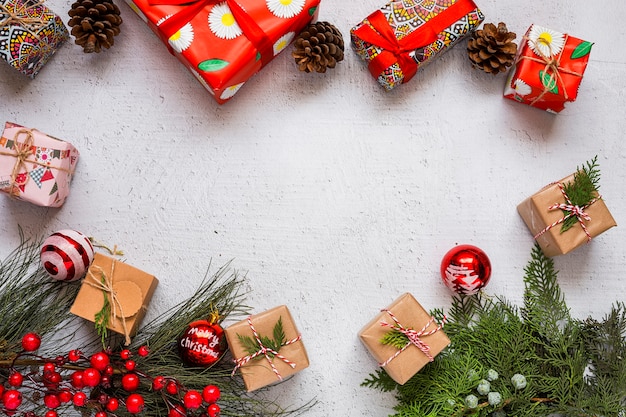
{"points": [[334, 196]]}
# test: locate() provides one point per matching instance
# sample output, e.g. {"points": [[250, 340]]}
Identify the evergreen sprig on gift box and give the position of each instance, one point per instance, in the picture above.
{"points": [[274, 343], [32, 304], [532, 361], [582, 189]]}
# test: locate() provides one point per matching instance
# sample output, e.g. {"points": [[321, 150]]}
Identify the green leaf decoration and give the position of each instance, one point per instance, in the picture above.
{"points": [[312, 10], [395, 338], [581, 50], [212, 65], [251, 345], [258, 55], [102, 317], [582, 189], [549, 82]]}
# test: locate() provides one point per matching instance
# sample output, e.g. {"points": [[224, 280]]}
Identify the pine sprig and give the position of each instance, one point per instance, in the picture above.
{"points": [[395, 338], [103, 317], [252, 346], [582, 189], [538, 359]]}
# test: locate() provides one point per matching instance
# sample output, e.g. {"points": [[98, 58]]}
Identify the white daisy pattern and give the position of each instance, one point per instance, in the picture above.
{"points": [[222, 22], [545, 42], [230, 91], [283, 42], [285, 8], [182, 39], [521, 88]]}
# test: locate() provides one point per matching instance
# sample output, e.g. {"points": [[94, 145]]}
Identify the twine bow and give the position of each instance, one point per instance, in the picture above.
{"points": [[414, 336], [18, 17], [380, 33], [265, 351], [106, 286], [249, 27], [552, 67], [572, 210], [22, 151]]}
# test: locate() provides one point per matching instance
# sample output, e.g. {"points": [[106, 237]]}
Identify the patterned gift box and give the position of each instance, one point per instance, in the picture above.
{"points": [[548, 69], [30, 34], [267, 348], [404, 35], [35, 167], [224, 43], [128, 291], [424, 338], [544, 211]]}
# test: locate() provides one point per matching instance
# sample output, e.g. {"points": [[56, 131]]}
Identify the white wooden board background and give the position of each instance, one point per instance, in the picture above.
{"points": [[334, 196]]}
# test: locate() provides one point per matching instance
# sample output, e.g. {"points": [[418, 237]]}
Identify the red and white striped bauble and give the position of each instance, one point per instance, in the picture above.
{"points": [[66, 255]]}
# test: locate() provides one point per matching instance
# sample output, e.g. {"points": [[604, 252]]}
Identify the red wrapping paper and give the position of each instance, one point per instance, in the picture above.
{"points": [[224, 43], [548, 69]]}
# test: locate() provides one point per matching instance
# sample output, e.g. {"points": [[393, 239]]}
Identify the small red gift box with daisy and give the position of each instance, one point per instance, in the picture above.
{"points": [[548, 69], [224, 43]]}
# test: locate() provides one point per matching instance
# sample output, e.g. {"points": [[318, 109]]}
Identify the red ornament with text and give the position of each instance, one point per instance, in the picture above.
{"points": [[203, 342], [465, 269]]}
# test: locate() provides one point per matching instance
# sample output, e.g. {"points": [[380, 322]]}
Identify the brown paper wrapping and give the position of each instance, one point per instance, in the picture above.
{"points": [[535, 213], [133, 289], [258, 373], [410, 314]]}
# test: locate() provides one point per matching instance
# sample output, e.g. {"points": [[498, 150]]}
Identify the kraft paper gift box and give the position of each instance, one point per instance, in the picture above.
{"points": [[543, 220], [224, 43], [127, 289], [30, 33], [402, 364], [34, 166], [548, 69], [404, 35], [257, 369]]}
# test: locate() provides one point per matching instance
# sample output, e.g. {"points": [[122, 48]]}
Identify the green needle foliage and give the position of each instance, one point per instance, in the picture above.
{"points": [[582, 189], [532, 361], [31, 302], [252, 345]]}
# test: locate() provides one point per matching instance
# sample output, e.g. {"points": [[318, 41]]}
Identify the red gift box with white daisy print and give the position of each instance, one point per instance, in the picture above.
{"points": [[225, 42], [548, 69]]}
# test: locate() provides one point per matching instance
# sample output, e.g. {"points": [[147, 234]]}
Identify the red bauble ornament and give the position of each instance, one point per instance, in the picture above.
{"points": [[66, 255], [465, 269], [202, 344], [31, 342]]}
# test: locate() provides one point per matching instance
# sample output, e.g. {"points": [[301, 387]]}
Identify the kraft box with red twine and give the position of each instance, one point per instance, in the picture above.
{"points": [[224, 43], [404, 35], [546, 210], [424, 338], [30, 33], [259, 355], [548, 69], [126, 289], [34, 166]]}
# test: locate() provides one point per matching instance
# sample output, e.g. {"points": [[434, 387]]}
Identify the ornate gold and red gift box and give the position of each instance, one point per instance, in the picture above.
{"points": [[548, 69], [404, 35], [224, 43]]}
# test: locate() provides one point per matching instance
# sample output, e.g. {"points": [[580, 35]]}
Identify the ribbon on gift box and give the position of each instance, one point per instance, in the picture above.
{"points": [[249, 27], [380, 33], [20, 17], [572, 210], [413, 335], [265, 351], [22, 151], [552, 67]]}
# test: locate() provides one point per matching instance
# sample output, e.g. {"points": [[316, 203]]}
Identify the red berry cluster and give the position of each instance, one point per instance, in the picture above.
{"points": [[86, 381]]}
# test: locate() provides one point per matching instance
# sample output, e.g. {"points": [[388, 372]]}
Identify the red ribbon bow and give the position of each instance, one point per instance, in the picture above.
{"points": [[249, 27], [395, 50]]}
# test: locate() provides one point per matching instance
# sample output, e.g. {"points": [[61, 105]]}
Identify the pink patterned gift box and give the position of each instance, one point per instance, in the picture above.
{"points": [[35, 167], [30, 33]]}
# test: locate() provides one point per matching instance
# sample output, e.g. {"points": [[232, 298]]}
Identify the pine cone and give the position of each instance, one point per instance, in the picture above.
{"points": [[317, 47], [492, 49], [94, 23]]}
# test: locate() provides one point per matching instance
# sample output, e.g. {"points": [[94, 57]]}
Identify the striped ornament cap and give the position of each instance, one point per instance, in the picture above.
{"points": [[66, 255]]}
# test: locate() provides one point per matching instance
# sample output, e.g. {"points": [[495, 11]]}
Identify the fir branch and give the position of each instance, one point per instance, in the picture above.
{"points": [[395, 338], [252, 346], [103, 317], [582, 189]]}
